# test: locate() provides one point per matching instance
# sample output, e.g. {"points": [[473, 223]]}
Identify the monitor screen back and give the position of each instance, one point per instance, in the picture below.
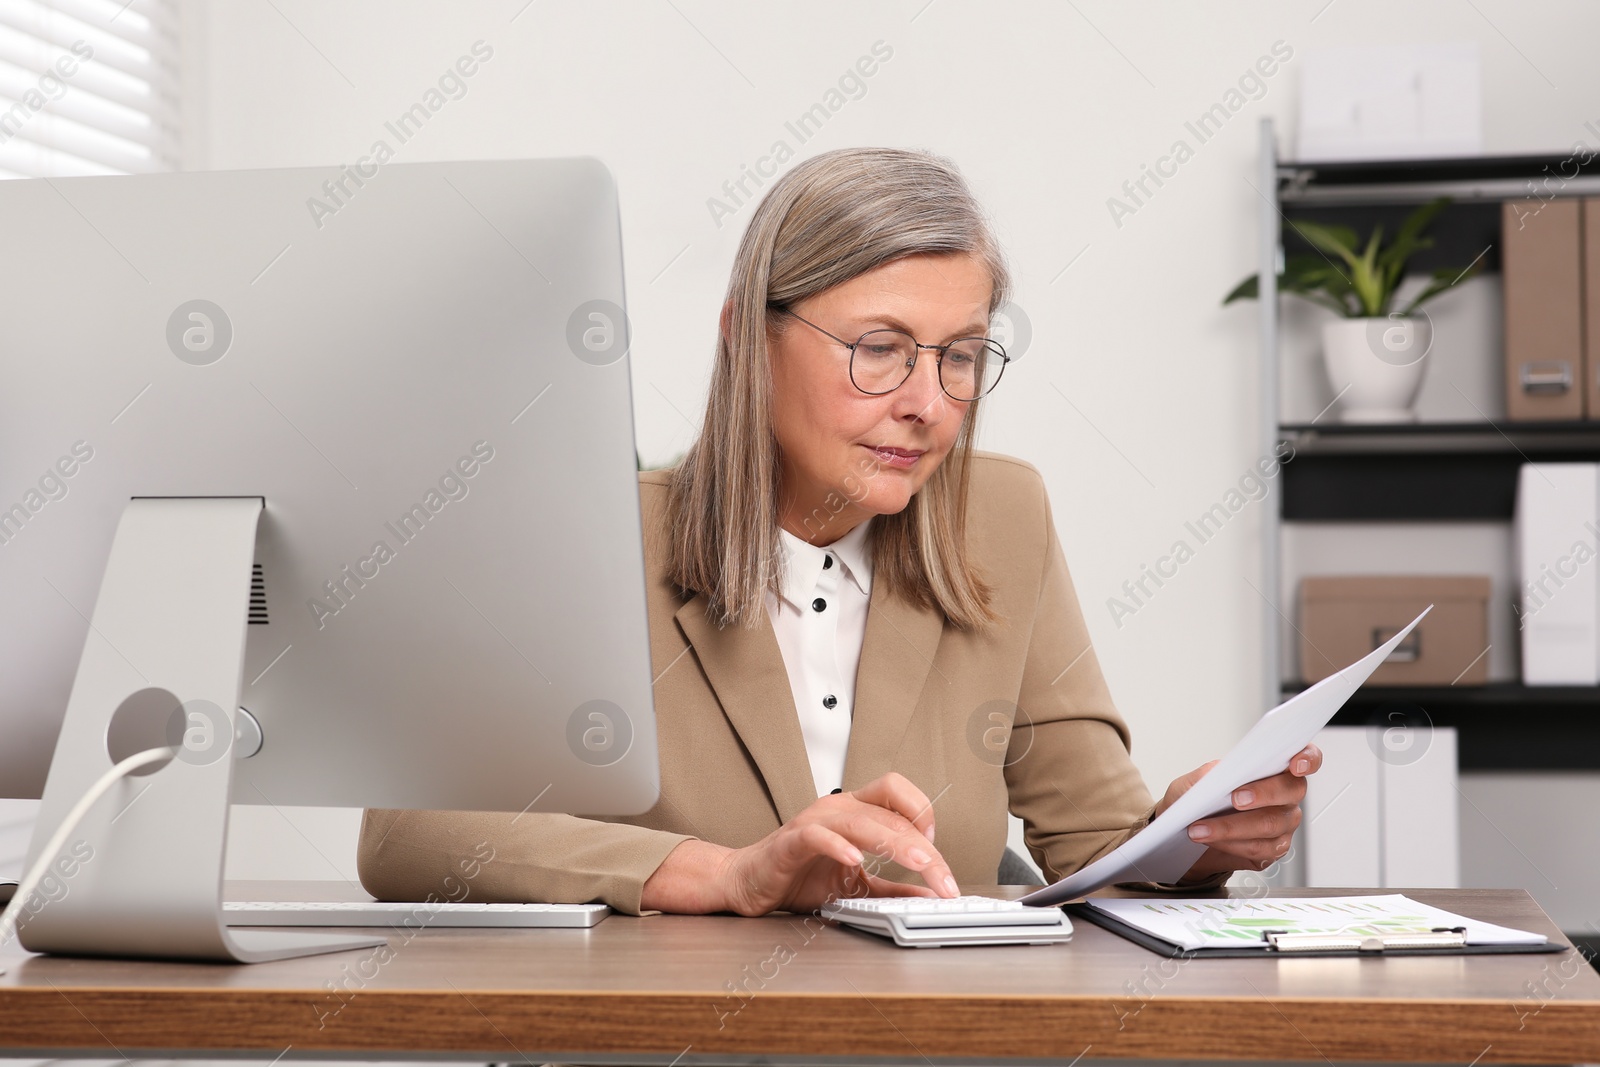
{"points": [[422, 370]]}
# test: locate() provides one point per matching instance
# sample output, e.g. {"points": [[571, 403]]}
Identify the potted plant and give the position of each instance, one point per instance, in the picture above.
{"points": [[1374, 351]]}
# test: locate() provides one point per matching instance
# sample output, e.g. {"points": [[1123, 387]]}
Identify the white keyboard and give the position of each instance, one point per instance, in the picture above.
{"points": [[931, 922], [418, 916]]}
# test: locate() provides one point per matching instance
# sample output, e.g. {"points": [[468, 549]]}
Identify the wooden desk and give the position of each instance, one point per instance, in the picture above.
{"points": [[666, 989]]}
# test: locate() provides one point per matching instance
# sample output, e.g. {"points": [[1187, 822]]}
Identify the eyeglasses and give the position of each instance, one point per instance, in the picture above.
{"points": [[882, 360]]}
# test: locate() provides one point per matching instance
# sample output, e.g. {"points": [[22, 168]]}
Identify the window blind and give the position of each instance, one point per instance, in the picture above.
{"points": [[88, 87]]}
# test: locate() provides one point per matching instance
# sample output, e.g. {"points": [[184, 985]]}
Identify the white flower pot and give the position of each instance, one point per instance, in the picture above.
{"points": [[1375, 366]]}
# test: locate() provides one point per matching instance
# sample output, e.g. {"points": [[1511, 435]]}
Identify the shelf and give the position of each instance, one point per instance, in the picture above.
{"points": [[1367, 194], [1429, 436], [1445, 471], [1479, 178], [1502, 726]]}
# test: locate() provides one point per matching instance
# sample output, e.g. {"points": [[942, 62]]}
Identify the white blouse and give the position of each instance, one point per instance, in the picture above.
{"points": [[820, 621]]}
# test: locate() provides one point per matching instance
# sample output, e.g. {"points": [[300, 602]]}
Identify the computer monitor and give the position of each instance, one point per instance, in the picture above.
{"points": [[350, 449]]}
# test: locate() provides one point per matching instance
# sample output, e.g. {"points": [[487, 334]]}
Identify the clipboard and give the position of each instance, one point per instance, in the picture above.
{"points": [[1393, 945]]}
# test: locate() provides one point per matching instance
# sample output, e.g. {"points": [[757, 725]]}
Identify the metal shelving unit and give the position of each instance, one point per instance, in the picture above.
{"points": [[1457, 471]]}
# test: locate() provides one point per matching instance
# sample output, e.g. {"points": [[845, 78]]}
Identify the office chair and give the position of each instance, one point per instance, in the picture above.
{"points": [[1014, 870]]}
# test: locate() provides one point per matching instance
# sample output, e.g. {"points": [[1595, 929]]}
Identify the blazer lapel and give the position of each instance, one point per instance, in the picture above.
{"points": [[746, 670], [896, 659]]}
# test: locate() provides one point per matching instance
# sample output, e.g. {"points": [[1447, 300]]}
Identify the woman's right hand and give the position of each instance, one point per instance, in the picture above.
{"points": [[817, 856]]}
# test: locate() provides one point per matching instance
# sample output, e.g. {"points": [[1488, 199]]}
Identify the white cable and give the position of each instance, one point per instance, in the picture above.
{"points": [[52, 849]]}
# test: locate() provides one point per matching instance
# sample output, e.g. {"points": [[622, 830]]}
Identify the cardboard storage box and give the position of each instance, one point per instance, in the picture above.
{"points": [[1344, 617]]}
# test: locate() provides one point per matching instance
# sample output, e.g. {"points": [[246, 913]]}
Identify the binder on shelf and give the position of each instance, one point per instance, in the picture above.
{"points": [[1373, 814], [1591, 307], [1542, 259], [1557, 553]]}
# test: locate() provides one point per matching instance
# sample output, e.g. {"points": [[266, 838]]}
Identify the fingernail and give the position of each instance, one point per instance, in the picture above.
{"points": [[930, 835], [951, 887], [859, 858], [1301, 766], [1199, 831], [1244, 798], [917, 856]]}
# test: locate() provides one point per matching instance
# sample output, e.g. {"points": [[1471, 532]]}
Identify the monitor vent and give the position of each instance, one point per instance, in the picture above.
{"points": [[258, 596]]}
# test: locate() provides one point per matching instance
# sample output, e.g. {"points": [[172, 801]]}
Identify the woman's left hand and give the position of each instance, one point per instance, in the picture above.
{"points": [[1258, 832]]}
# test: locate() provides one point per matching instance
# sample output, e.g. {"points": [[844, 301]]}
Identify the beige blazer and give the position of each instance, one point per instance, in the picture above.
{"points": [[932, 702]]}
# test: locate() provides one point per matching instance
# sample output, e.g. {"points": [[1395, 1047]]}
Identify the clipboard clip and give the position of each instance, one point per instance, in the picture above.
{"points": [[1438, 937]]}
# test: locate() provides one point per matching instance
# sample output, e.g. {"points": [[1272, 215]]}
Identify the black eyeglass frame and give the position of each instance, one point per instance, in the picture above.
{"points": [[939, 360]]}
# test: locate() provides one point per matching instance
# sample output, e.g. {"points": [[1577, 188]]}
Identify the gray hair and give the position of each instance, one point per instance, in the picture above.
{"points": [[832, 218]]}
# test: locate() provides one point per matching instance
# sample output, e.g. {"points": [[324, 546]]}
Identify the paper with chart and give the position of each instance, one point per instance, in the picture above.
{"points": [[1237, 923], [1162, 851]]}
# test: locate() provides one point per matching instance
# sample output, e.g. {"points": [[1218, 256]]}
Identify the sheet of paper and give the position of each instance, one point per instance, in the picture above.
{"points": [[1205, 923], [1162, 851]]}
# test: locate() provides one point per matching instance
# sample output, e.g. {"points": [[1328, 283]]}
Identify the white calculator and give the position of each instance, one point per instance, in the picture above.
{"points": [[936, 922]]}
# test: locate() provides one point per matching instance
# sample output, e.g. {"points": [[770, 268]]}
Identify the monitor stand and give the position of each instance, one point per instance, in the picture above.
{"points": [[162, 664]]}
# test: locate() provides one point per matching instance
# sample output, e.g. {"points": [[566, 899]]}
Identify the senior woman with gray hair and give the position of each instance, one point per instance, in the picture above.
{"points": [[866, 640]]}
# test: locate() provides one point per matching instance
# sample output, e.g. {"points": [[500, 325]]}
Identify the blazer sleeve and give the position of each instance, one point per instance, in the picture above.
{"points": [[503, 856], [1068, 771]]}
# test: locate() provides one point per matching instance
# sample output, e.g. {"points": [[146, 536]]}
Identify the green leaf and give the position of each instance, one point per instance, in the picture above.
{"points": [[1323, 278], [1304, 285], [1249, 289], [1339, 240], [1443, 279], [1368, 279], [1409, 239], [1353, 277], [1315, 279]]}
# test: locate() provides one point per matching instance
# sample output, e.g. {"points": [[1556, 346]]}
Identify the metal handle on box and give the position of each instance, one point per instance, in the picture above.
{"points": [[1549, 377], [1407, 651]]}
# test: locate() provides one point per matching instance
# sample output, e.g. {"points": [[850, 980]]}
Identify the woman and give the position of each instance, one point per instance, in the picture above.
{"points": [[866, 641]]}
